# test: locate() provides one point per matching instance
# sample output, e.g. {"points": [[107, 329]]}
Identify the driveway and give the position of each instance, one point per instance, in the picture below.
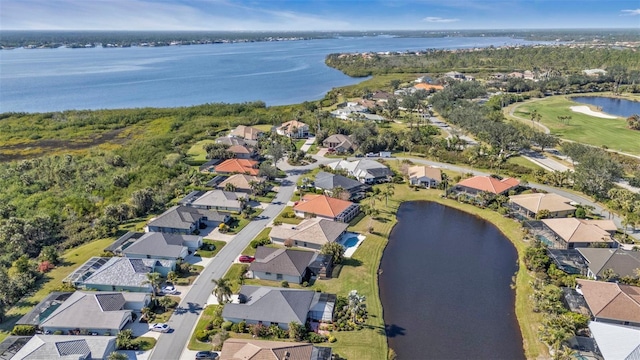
{"points": [[307, 144]]}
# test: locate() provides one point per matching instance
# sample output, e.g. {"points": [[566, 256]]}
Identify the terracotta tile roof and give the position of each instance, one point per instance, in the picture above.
{"points": [[540, 201], [423, 86], [322, 205], [490, 184], [241, 166], [288, 127], [613, 301], [239, 149], [578, 230], [425, 171], [241, 349]]}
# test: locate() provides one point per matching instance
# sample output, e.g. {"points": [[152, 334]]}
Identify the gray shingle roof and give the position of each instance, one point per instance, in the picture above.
{"points": [[328, 181], [86, 310], [271, 304], [315, 230], [73, 347], [66, 347], [117, 271], [622, 262], [53, 300], [282, 261], [184, 217], [159, 244]]}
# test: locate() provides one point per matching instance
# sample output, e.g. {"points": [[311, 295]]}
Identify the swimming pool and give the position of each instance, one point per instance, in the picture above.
{"points": [[351, 241]]}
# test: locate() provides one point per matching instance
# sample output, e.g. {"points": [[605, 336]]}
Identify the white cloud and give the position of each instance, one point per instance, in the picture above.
{"points": [[435, 19], [631, 12]]}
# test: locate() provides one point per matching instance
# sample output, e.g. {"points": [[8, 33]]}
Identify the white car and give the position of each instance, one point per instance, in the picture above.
{"points": [[160, 327], [169, 289]]}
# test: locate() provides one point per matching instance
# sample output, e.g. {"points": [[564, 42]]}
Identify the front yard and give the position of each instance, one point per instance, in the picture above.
{"points": [[210, 248], [287, 216]]}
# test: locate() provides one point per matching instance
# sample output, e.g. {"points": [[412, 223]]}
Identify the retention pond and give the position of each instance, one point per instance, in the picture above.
{"points": [[445, 286]]}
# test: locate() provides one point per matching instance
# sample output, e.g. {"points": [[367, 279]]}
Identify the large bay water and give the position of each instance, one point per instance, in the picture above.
{"points": [[445, 286], [613, 106], [277, 73]]}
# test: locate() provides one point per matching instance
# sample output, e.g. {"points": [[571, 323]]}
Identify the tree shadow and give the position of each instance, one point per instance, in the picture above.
{"points": [[393, 330], [351, 262], [191, 308]]}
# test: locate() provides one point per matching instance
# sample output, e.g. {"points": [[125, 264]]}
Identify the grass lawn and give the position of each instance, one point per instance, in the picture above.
{"points": [[238, 223], [299, 143], [188, 280], [217, 246], [70, 261], [519, 160], [262, 235], [267, 198], [288, 220], [164, 316], [145, 343], [196, 151], [582, 128], [205, 318], [263, 127], [233, 274]]}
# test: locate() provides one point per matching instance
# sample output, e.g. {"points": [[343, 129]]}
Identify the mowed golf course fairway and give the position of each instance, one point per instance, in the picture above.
{"points": [[591, 130]]}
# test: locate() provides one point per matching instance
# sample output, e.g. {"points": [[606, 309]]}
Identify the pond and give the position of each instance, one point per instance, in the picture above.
{"points": [[613, 106], [445, 286]]}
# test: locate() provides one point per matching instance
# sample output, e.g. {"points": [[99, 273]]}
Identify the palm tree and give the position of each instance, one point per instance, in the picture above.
{"points": [[223, 290], [172, 276], [154, 279], [356, 302], [388, 191]]}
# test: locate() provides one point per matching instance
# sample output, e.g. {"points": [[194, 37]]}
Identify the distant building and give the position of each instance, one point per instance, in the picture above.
{"points": [[425, 176], [246, 132], [294, 129], [478, 184]]}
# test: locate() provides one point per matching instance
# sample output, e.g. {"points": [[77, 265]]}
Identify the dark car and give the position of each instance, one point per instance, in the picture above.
{"points": [[246, 259], [208, 355]]}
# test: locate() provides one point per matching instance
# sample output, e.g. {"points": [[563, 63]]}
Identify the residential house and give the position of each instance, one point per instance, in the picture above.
{"points": [[326, 207], [531, 204], [238, 166], [568, 260], [210, 165], [618, 260], [381, 96], [246, 349], [219, 200], [498, 76], [99, 312], [366, 171], [39, 312], [294, 129], [424, 79], [611, 302], [616, 342], [516, 75], [369, 104], [426, 176], [242, 151], [340, 143], [573, 233], [294, 266], [279, 306], [156, 245], [455, 75], [428, 87], [241, 182], [186, 220], [328, 182], [246, 132], [528, 75], [310, 233], [594, 72], [231, 141], [118, 274], [370, 117], [67, 347], [478, 184]]}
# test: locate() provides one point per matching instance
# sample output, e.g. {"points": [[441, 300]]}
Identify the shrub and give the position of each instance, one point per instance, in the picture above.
{"points": [[24, 330], [305, 284], [57, 332], [316, 338], [260, 242], [332, 339], [202, 335], [226, 325], [284, 284], [277, 222], [242, 326]]}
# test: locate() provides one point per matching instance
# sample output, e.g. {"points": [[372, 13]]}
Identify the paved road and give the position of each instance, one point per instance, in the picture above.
{"points": [[544, 161]]}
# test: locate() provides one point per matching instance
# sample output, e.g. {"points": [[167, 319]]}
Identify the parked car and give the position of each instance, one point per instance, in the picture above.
{"points": [[159, 327], [359, 155], [206, 355], [372, 154], [169, 289], [246, 259]]}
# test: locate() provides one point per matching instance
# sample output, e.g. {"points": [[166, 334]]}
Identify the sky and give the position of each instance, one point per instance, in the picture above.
{"points": [[321, 15]]}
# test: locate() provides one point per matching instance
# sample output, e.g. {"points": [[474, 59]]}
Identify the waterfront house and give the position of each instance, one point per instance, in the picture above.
{"points": [[66, 347], [479, 184], [326, 207], [572, 233], [611, 302], [279, 306], [310, 233], [293, 129], [530, 205], [381, 96], [294, 266], [186, 220], [616, 341], [600, 262], [425, 176], [245, 349], [328, 182]]}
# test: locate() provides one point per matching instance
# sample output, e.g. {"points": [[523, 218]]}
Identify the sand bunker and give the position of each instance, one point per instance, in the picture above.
{"points": [[585, 110]]}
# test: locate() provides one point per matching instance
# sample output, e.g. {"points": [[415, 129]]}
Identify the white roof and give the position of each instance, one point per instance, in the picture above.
{"points": [[66, 347], [616, 342]]}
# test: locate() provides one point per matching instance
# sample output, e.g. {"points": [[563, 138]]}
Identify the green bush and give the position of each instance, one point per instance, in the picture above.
{"points": [[202, 335], [316, 338], [332, 339], [226, 325], [284, 284], [24, 330], [260, 242]]}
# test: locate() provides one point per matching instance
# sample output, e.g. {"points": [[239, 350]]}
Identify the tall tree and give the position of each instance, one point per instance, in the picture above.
{"points": [[222, 291]]}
